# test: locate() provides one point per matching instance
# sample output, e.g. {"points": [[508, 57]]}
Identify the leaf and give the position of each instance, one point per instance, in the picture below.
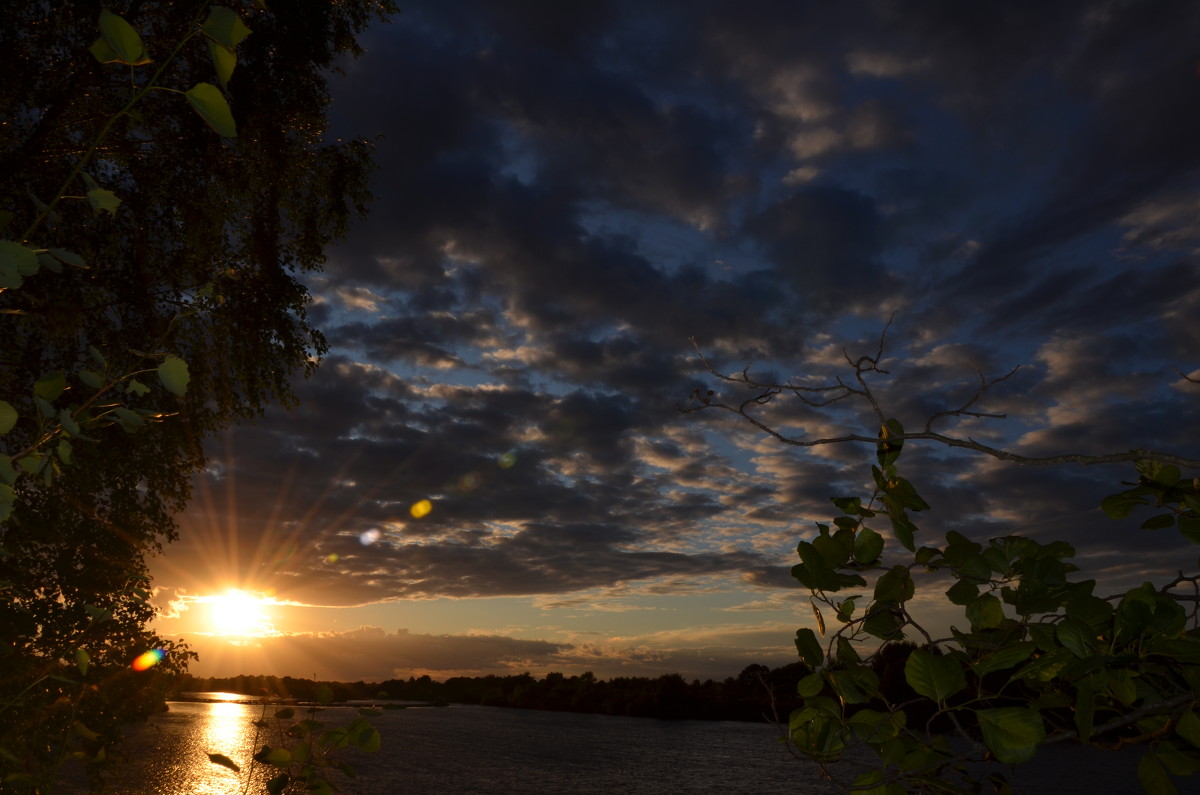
{"points": [[81, 661], [985, 612], [895, 585], [1188, 727], [210, 103], [8, 416], [91, 379], [369, 740], [173, 373], [225, 27], [16, 262], [1006, 657], [224, 761], [934, 677], [122, 38], [50, 386], [279, 757], [278, 784], [1076, 636], [136, 387], [8, 473], [1012, 734], [1085, 711], [104, 53], [810, 686], [84, 731], [962, 592], [103, 200], [324, 694], [1153, 777], [867, 546], [809, 647], [224, 61], [820, 618]]}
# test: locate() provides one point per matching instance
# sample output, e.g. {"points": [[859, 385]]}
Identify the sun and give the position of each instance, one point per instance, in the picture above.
{"points": [[237, 612]]}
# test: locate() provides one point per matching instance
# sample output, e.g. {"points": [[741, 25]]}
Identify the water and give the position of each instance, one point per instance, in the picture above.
{"points": [[467, 749]]}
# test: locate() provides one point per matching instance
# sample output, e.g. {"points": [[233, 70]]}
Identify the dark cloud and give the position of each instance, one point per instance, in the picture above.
{"points": [[567, 193]]}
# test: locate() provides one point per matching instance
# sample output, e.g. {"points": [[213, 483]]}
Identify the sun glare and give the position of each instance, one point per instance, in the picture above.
{"points": [[236, 612]]}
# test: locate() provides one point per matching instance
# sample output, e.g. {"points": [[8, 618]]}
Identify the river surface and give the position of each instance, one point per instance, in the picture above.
{"points": [[469, 749]]}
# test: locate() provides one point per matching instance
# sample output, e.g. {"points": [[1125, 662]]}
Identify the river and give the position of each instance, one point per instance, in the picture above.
{"points": [[469, 749]]}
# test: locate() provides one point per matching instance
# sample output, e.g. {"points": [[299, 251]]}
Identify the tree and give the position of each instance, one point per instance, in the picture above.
{"points": [[1044, 659], [159, 207]]}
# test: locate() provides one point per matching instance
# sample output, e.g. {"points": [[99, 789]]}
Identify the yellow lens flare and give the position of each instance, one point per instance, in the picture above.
{"points": [[421, 509]]}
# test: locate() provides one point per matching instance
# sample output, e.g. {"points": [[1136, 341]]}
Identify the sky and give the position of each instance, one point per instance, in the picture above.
{"points": [[490, 472]]}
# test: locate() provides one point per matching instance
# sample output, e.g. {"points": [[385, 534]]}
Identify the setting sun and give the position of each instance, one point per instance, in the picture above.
{"points": [[237, 612]]}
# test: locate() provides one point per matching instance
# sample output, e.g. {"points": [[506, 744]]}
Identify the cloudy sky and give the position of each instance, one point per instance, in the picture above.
{"points": [[490, 472]]}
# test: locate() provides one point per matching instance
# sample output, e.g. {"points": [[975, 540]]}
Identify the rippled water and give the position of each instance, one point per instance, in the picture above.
{"points": [[465, 749]]}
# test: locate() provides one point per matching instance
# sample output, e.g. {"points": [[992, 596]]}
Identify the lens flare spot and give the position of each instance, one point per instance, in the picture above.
{"points": [[148, 660], [369, 537], [332, 557], [507, 460], [469, 481], [421, 509]]}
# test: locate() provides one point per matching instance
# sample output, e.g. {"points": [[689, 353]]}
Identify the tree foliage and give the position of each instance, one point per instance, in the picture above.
{"points": [[164, 184], [1038, 657]]}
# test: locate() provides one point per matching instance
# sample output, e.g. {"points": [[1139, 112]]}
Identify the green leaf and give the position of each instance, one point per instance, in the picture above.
{"points": [[1085, 711], [279, 757], [224, 61], [277, 785], [369, 740], [173, 373], [1004, 658], [868, 545], [103, 53], [8, 473], [895, 585], [50, 386], [962, 592], [103, 201], [324, 695], [1012, 734], [1153, 777], [81, 661], [1076, 636], [1160, 522], [136, 387], [122, 39], [809, 647], [985, 612], [91, 379], [810, 686], [210, 103], [934, 677], [16, 262], [225, 27], [8, 416], [1188, 727], [224, 761]]}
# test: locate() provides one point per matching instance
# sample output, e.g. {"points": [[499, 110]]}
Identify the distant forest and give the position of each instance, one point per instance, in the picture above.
{"points": [[757, 693]]}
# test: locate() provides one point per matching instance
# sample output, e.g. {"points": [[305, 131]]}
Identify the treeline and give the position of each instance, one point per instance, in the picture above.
{"points": [[756, 693]]}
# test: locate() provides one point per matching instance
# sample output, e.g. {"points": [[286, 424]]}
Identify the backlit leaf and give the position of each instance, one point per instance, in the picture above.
{"points": [[1012, 734], [1153, 777], [224, 61], [224, 761], [173, 373], [122, 38], [225, 27], [210, 103], [934, 677], [103, 201], [809, 647], [16, 262], [8, 416]]}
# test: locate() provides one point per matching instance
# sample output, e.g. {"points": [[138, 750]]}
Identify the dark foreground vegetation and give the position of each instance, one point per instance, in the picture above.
{"points": [[757, 693]]}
